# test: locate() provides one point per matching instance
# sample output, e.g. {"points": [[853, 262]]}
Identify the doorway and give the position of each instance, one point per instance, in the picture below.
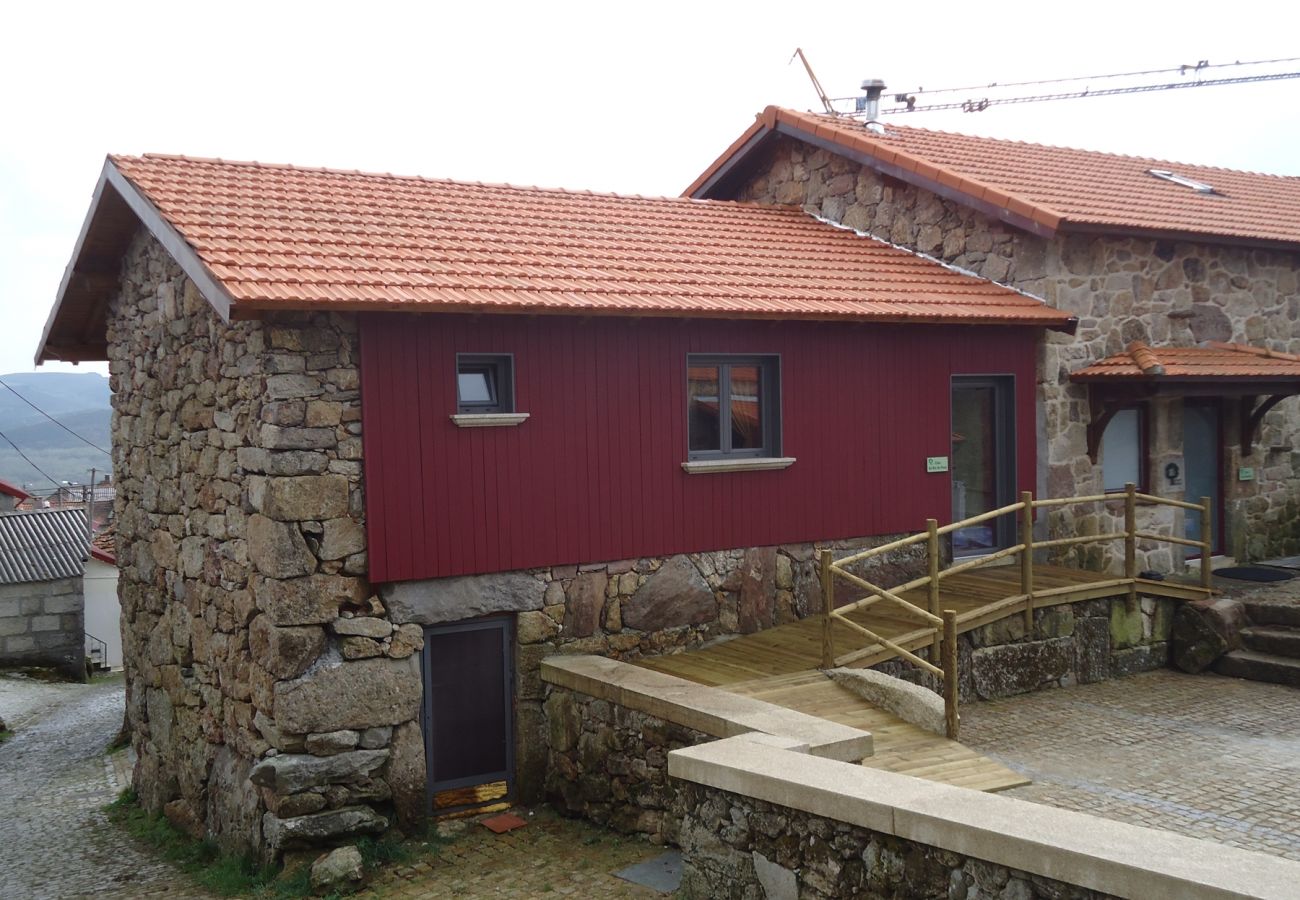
{"points": [[983, 461], [1203, 465], [468, 715]]}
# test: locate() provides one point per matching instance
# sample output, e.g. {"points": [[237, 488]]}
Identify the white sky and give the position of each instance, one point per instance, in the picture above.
{"points": [[636, 98]]}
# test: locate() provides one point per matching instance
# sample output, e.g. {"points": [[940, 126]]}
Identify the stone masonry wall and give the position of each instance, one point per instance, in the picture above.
{"points": [[632, 608], [42, 623], [739, 848], [609, 764], [270, 699], [1121, 289]]}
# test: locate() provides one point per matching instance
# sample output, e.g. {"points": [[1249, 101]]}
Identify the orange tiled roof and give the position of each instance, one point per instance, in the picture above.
{"points": [[1212, 361], [1060, 187], [279, 237]]}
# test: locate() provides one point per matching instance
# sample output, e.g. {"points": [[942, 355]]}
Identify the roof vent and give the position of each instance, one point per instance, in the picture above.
{"points": [[870, 104], [1199, 186]]}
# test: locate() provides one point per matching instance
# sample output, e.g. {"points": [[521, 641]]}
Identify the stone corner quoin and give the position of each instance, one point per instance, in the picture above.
{"points": [[272, 701]]}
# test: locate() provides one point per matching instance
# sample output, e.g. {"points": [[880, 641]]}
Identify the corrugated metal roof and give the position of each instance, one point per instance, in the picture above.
{"points": [[42, 546]]}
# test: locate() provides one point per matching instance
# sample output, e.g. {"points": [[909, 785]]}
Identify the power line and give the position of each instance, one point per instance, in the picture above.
{"points": [[1200, 66], [29, 462], [55, 421], [984, 103]]}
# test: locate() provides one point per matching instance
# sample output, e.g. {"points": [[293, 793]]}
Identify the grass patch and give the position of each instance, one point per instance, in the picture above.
{"points": [[5, 735], [228, 876]]}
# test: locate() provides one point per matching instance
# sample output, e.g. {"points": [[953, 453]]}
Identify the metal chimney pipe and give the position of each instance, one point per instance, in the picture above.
{"points": [[870, 104]]}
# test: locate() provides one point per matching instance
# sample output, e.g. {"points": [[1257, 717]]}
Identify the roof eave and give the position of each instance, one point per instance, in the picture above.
{"points": [[94, 287], [1075, 226]]}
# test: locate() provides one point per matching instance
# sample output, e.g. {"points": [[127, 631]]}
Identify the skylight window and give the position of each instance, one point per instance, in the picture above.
{"points": [[1199, 186]]}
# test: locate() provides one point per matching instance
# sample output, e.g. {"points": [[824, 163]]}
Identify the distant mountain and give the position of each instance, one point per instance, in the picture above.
{"points": [[76, 400]]}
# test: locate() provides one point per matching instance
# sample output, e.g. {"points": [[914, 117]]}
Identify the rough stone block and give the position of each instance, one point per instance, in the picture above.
{"points": [[330, 743], [356, 695], [66, 603], [363, 626], [452, 599], [406, 775], [1126, 626], [1019, 668], [313, 829], [341, 538], [277, 549], [291, 773], [586, 599], [276, 437], [313, 600], [675, 595], [306, 497], [1091, 650]]}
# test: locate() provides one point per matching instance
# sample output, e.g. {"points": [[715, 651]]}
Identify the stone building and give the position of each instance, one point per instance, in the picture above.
{"points": [[42, 607], [592, 424], [1194, 269]]}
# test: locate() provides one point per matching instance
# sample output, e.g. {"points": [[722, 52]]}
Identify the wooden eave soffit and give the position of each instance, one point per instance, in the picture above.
{"points": [[1103, 405]]}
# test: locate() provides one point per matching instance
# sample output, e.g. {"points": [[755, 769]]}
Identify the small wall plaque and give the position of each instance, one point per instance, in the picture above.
{"points": [[1246, 473], [936, 464]]}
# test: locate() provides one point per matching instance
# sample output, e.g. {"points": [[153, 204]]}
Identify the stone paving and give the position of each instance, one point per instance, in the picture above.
{"points": [[1203, 755], [550, 857], [55, 841]]}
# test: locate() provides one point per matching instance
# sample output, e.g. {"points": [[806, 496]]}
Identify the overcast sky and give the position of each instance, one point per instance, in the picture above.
{"points": [[636, 98]]}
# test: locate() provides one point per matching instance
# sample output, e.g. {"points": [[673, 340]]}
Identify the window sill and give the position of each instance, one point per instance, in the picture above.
{"points": [[488, 420], [753, 464]]}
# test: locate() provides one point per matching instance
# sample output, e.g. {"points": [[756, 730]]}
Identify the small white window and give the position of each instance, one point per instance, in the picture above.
{"points": [[1199, 186], [1123, 450]]}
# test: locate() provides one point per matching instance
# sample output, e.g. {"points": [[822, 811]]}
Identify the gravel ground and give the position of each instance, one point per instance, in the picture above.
{"points": [[55, 841]]}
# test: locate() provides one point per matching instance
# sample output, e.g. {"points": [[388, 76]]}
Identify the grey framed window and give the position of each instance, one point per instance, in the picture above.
{"points": [[733, 406], [485, 383]]}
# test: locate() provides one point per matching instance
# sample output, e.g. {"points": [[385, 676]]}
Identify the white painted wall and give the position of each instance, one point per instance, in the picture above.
{"points": [[103, 613]]}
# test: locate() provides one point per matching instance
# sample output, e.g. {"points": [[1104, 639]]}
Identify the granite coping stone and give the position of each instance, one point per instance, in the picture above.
{"points": [[707, 709], [1072, 847]]}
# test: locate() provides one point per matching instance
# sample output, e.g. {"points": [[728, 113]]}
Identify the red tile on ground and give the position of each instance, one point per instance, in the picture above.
{"points": [[503, 823]]}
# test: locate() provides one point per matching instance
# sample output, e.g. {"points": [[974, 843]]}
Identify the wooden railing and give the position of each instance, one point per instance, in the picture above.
{"points": [[941, 625]]}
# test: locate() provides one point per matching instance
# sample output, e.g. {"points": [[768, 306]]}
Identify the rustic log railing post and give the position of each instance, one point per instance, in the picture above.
{"points": [[932, 548], [824, 558], [1130, 542], [950, 717], [1207, 543], [1027, 558]]}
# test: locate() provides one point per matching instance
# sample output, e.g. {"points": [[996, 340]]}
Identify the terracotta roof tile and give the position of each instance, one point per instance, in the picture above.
{"points": [[1212, 361], [1066, 186], [283, 237]]}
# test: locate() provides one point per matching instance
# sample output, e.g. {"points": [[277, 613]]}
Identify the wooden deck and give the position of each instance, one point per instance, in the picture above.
{"points": [[899, 746], [796, 647], [780, 665]]}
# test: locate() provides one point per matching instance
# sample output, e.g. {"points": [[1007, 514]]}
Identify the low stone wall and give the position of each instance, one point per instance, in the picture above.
{"points": [[732, 844], [1072, 643], [42, 623], [762, 820], [609, 764], [610, 727]]}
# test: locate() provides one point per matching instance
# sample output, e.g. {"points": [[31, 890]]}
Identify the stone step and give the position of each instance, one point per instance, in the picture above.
{"points": [[1278, 640], [1266, 613], [1255, 666]]}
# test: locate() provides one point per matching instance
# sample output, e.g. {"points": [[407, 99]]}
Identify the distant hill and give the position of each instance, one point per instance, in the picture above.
{"points": [[79, 401]]}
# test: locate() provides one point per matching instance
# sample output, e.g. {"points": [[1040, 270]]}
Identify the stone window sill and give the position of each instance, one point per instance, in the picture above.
{"points": [[488, 420], [753, 464]]}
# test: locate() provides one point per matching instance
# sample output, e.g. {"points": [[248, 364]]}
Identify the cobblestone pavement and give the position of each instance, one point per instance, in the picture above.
{"points": [[1203, 755], [55, 842], [550, 857]]}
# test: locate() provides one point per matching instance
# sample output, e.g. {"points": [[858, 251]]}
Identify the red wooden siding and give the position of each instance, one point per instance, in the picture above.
{"points": [[595, 473]]}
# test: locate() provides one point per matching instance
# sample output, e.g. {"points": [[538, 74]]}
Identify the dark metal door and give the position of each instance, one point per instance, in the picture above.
{"points": [[983, 461], [468, 707]]}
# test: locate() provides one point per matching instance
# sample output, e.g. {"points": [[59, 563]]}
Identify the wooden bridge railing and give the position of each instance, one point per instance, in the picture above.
{"points": [[942, 625]]}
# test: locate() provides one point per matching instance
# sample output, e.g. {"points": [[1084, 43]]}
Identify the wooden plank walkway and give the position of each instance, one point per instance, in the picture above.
{"points": [[780, 665], [899, 746], [796, 647]]}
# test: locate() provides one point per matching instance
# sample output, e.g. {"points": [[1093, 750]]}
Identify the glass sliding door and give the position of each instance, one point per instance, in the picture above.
{"points": [[983, 461]]}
